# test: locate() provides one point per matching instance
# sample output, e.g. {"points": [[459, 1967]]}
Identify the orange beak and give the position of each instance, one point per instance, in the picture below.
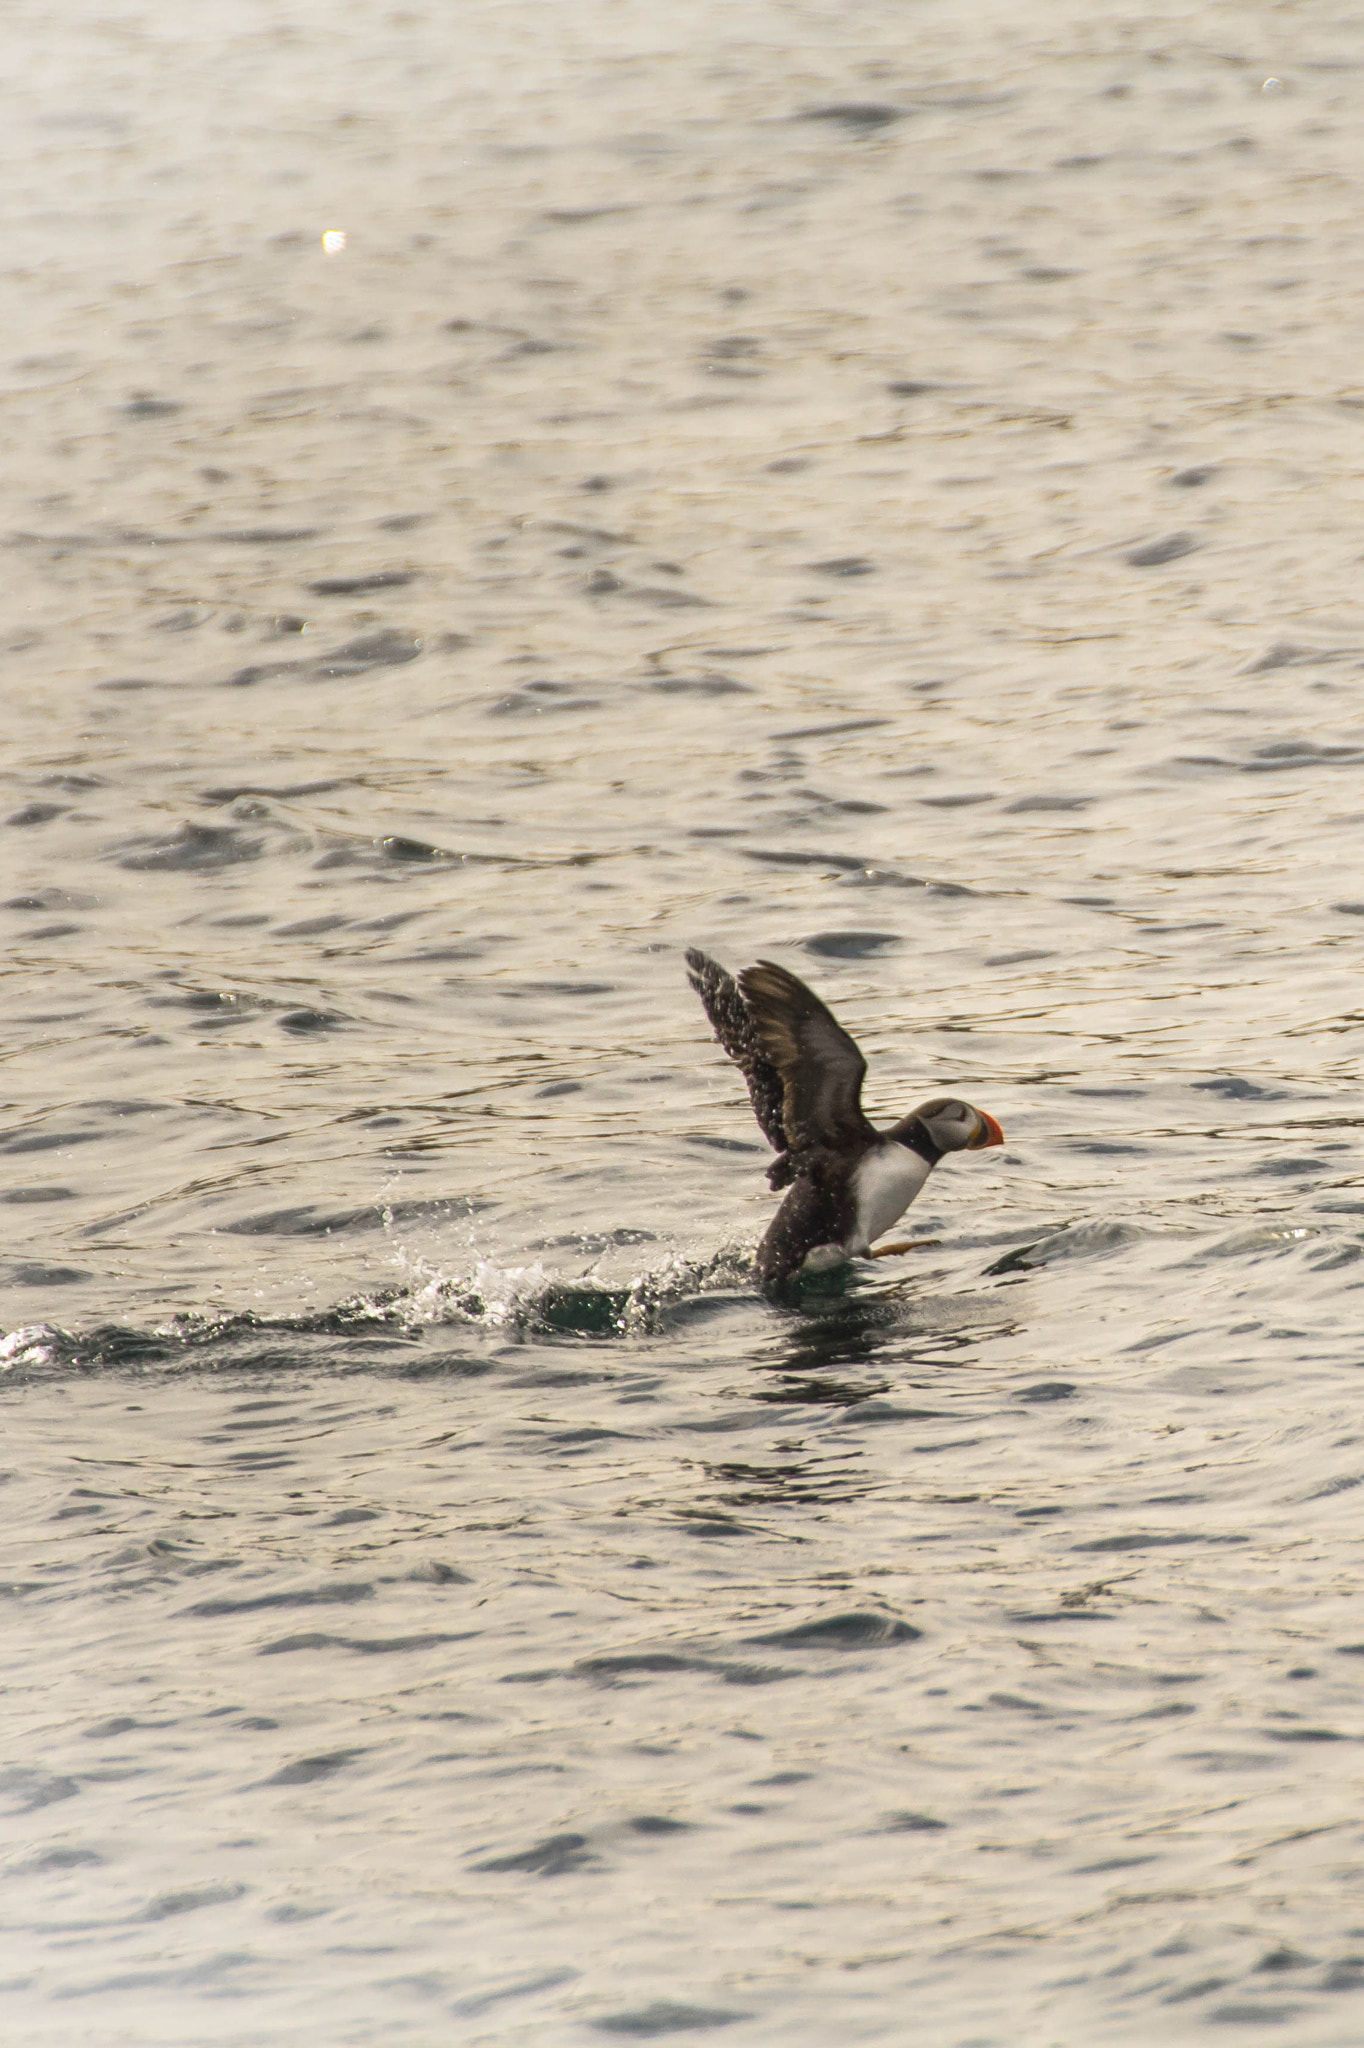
{"points": [[990, 1133]]}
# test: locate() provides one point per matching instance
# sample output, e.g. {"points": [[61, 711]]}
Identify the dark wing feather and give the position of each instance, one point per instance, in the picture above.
{"points": [[733, 1026], [821, 1067]]}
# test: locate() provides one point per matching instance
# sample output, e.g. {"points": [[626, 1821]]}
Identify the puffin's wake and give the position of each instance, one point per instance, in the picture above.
{"points": [[402, 1324], [530, 1300]]}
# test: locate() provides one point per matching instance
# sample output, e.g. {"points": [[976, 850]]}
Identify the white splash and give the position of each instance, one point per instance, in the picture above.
{"points": [[32, 1344]]}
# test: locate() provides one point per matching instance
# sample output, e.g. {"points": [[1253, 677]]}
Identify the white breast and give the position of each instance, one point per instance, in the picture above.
{"points": [[884, 1185]]}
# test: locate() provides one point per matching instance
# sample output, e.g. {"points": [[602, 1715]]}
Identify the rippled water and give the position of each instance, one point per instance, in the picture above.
{"points": [[876, 489]]}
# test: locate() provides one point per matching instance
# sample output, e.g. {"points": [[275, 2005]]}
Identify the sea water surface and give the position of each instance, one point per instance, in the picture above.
{"points": [[875, 487]]}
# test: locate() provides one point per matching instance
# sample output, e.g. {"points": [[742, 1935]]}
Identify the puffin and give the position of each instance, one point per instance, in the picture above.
{"points": [[847, 1182]]}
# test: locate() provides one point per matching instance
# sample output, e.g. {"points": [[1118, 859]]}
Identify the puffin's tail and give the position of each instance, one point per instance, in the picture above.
{"points": [[733, 1026]]}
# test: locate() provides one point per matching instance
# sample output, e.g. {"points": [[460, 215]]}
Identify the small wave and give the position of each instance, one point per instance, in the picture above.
{"points": [[1258, 1240], [1100, 1238]]}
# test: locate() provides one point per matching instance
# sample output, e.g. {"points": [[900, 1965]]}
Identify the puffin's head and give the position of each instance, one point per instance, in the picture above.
{"points": [[955, 1127]]}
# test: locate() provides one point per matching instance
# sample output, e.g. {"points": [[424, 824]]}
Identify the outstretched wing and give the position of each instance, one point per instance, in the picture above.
{"points": [[821, 1067], [733, 1026]]}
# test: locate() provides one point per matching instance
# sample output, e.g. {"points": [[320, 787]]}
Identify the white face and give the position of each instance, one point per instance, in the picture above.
{"points": [[951, 1124]]}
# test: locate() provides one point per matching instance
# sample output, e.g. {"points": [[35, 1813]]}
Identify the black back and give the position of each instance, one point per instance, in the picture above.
{"points": [[811, 1214]]}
